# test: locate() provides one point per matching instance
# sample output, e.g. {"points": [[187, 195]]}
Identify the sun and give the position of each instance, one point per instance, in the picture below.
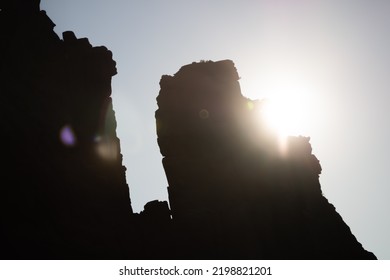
{"points": [[284, 117], [285, 109]]}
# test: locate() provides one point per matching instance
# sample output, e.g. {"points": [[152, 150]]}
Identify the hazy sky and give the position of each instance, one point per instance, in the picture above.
{"points": [[328, 60]]}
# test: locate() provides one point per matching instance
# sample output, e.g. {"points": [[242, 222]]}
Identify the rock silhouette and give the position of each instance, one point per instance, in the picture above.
{"points": [[233, 194], [64, 191], [232, 187]]}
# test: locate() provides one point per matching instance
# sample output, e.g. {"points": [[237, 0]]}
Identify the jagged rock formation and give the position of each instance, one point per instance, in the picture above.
{"points": [[233, 192], [64, 191], [64, 195]]}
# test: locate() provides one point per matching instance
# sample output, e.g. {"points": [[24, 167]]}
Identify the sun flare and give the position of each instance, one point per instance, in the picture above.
{"points": [[284, 117], [285, 108]]}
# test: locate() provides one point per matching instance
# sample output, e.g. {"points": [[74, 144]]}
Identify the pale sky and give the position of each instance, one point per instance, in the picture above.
{"points": [[328, 59]]}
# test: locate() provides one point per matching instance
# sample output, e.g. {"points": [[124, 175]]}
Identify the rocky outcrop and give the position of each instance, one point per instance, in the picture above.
{"points": [[64, 191], [234, 191]]}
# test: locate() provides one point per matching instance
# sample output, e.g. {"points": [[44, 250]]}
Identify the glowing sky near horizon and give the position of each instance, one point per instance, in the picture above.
{"points": [[327, 60]]}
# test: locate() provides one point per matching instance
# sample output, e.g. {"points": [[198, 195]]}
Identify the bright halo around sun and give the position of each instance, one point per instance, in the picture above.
{"points": [[286, 111], [283, 117]]}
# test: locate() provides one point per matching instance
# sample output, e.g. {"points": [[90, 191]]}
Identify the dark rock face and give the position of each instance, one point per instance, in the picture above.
{"points": [[234, 193], [64, 191]]}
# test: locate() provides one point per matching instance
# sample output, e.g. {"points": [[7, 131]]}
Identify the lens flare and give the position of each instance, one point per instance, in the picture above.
{"points": [[250, 105], [67, 136], [107, 149], [204, 114]]}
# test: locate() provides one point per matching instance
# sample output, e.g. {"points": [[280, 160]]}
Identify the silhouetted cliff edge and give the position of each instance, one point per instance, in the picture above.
{"points": [[63, 191], [64, 195], [232, 187]]}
